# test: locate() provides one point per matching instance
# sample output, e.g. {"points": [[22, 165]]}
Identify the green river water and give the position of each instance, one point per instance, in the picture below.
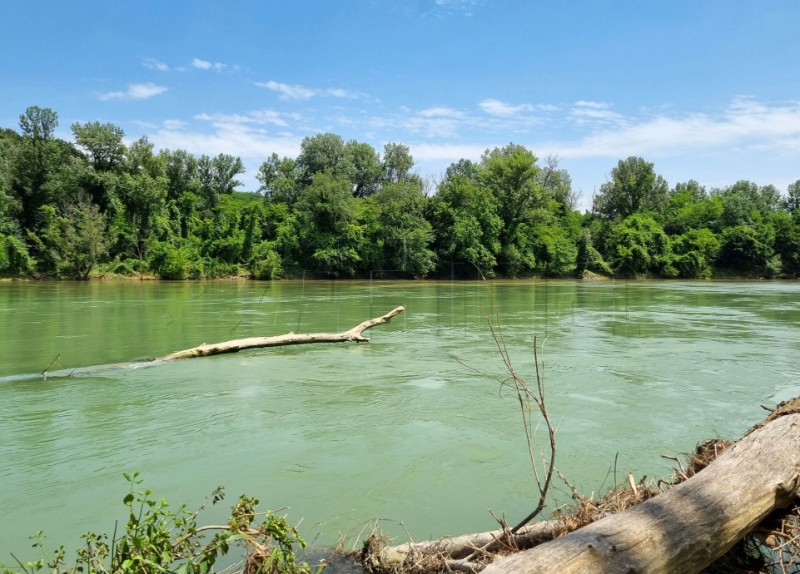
{"points": [[404, 429]]}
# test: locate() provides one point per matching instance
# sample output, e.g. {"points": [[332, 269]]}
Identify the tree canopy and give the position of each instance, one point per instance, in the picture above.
{"points": [[98, 204]]}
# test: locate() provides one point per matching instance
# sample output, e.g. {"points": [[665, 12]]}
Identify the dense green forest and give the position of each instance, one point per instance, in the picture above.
{"points": [[97, 206]]}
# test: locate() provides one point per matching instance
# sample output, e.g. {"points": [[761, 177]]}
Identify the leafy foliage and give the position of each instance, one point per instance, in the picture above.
{"points": [[342, 209], [157, 538]]}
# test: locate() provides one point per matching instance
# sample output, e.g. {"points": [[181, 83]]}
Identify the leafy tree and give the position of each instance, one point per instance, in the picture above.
{"points": [[557, 183], [466, 225], [279, 179], [690, 207], [397, 162], [694, 253], [181, 172], [512, 176], [15, 260], [38, 160], [75, 240], [634, 188], [217, 177], [141, 159], [555, 250], [404, 233], [168, 261], [637, 246], [745, 203], [691, 189], [588, 258], [464, 168], [320, 153], [144, 199], [746, 250], [329, 234], [787, 241], [367, 169], [792, 202], [38, 124], [9, 205], [265, 262], [102, 142]]}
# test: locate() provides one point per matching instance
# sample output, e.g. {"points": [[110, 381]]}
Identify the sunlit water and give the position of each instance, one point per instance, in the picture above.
{"points": [[411, 429]]}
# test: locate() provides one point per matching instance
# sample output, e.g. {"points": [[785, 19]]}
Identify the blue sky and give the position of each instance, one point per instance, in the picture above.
{"points": [[705, 89]]}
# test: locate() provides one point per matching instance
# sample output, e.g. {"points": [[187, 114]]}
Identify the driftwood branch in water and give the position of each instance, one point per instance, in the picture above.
{"points": [[689, 526], [236, 345]]}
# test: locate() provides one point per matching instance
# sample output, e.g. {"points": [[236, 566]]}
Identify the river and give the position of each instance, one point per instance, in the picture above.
{"points": [[412, 428]]}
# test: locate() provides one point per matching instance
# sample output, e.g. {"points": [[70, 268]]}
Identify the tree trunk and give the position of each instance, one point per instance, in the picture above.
{"points": [[689, 526], [236, 345]]}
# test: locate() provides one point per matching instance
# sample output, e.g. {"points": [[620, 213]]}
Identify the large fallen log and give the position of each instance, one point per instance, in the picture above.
{"points": [[236, 345], [689, 526], [715, 502]]}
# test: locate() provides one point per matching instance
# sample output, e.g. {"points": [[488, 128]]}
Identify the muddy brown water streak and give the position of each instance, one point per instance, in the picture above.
{"points": [[399, 429]]}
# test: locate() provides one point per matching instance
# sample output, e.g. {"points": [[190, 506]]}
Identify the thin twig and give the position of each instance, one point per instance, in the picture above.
{"points": [[44, 373]]}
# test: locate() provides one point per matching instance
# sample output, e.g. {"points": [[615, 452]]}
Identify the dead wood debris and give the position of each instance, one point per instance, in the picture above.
{"points": [[773, 547]]}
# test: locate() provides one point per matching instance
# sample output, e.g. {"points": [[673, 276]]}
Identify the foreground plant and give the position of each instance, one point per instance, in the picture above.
{"points": [[158, 539]]}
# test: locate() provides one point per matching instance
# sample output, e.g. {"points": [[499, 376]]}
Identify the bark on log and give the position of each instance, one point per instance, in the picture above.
{"points": [[236, 345], [451, 552], [689, 526]]}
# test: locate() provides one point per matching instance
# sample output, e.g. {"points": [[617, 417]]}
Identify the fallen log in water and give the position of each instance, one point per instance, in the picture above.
{"points": [[681, 530], [236, 345]]}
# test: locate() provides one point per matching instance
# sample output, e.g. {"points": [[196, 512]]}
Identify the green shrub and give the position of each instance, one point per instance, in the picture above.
{"points": [[265, 263], [157, 539], [14, 256], [170, 262]]}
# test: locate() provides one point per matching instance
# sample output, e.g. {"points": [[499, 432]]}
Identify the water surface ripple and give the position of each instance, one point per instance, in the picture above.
{"points": [[409, 429]]}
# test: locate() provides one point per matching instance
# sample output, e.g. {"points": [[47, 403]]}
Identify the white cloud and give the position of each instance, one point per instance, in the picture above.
{"points": [[288, 91], [587, 112], [441, 112], [497, 108], [298, 92], [206, 65], [462, 6], [135, 92], [744, 123], [154, 64], [174, 124], [432, 152], [258, 117]]}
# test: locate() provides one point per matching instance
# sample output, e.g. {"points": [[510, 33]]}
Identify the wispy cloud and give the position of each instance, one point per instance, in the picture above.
{"points": [[497, 108], [255, 118], [298, 92], [461, 6], [153, 64], [206, 65], [585, 113], [745, 122], [288, 91], [135, 92]]}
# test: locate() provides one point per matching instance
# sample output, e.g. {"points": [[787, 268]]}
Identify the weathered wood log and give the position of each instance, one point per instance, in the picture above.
{"points": [[451, 553], [689, 526], [236, 345]]}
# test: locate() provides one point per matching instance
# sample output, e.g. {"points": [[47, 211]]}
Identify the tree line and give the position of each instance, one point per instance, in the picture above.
{"points": [[98, 206]]}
